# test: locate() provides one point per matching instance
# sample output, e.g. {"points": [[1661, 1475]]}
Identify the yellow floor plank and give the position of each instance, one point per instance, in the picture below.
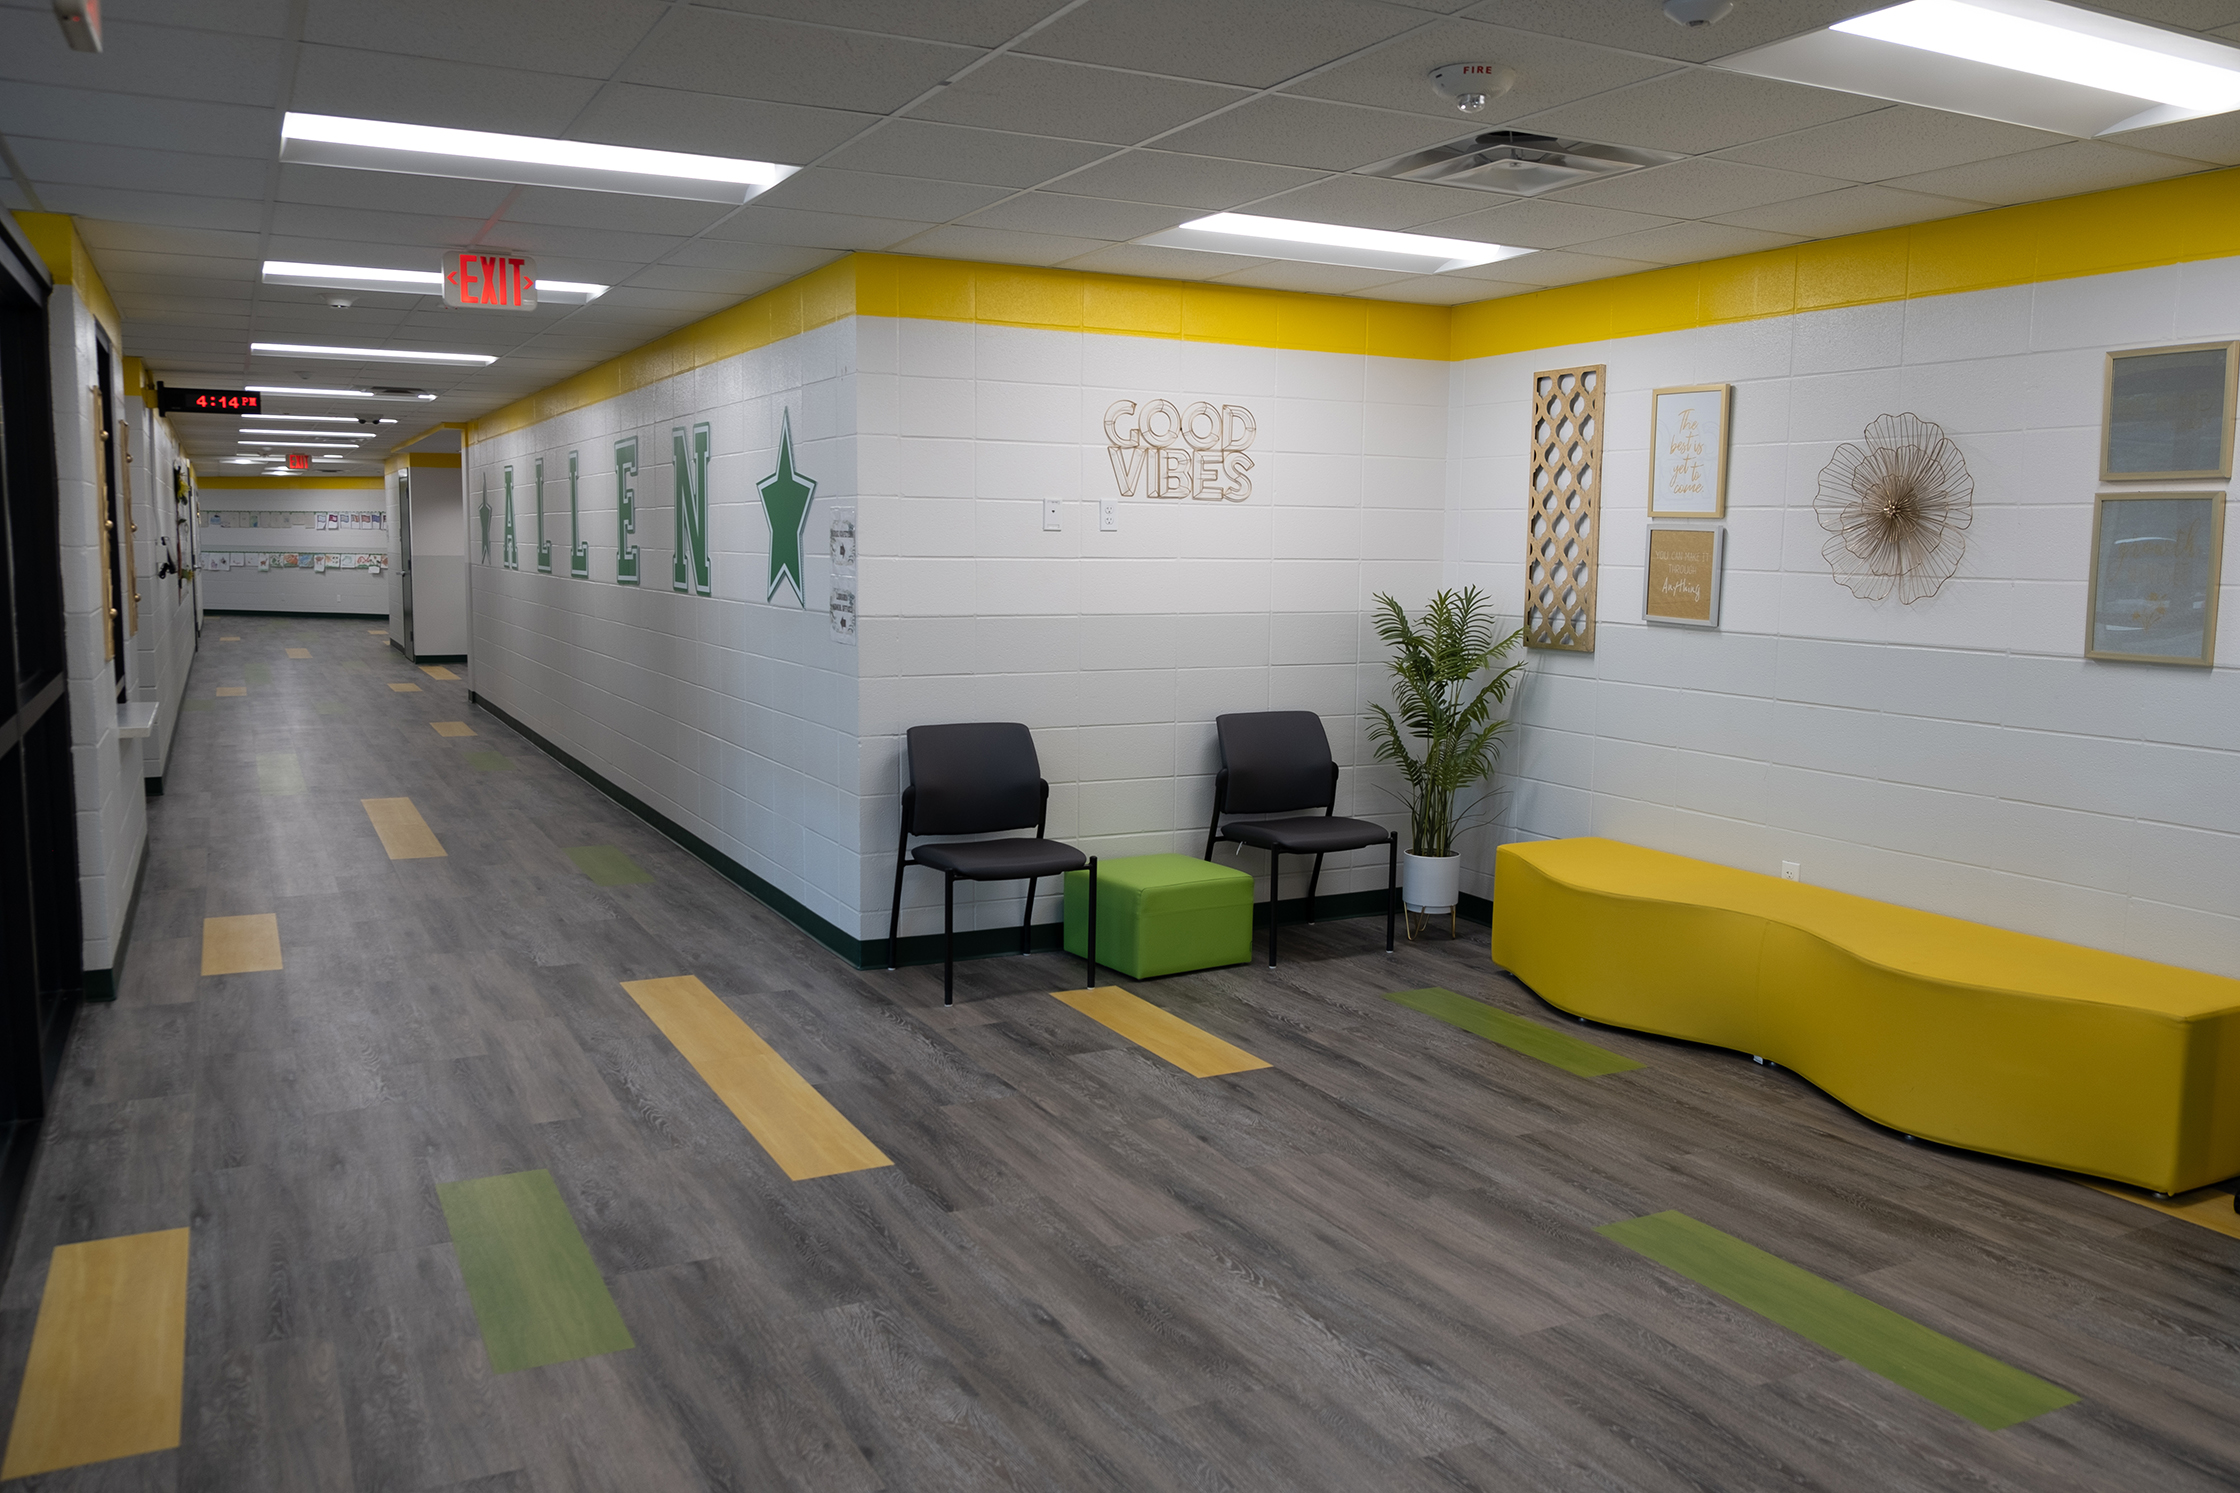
{"points": [[452, 728], [229, 638], [437, 671], [406, 689], [299, 653], [2211, 1207], [239, 946], [230, 691], [1199, 1054], [404, 834], [108, 1355], [379, 632], [798, 1126]]}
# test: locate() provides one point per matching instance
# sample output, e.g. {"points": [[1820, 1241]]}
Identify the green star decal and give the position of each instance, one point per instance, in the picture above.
{"points": [[786, 497]]}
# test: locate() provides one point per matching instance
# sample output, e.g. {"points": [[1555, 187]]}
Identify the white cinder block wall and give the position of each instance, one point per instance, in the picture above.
{"points": [[1958, 754], [733, 715], [1119, 649], [166, 641], [341, 592]]}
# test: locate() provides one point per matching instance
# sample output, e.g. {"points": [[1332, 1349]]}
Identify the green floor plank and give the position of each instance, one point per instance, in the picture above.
{"points": [[1990, 1393], [198, 706], [488, 761], [1515, 1032], [278, 773], [538, 1295], [329, 707], [607, 866], [256, 673]]}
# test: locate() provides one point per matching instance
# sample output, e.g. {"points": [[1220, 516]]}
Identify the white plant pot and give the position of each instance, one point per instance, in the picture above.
{"points": [[1430, 883]]}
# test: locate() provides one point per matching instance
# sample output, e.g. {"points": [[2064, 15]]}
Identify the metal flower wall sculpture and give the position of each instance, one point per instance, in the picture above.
{"points": [[1896, 510]]}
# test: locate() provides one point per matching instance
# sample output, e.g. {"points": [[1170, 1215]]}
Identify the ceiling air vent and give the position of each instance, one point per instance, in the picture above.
{"points": [[1518, 163]]}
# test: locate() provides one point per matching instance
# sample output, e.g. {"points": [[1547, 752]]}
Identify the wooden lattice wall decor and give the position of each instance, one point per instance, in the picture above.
{"points": [[1564, 517]]}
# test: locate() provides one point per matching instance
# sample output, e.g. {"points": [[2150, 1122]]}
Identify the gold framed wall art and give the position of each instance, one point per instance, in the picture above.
{"points": [[1688, 451], [2166, 413], [1683, 573], [2157, 559], [1563, 509]]}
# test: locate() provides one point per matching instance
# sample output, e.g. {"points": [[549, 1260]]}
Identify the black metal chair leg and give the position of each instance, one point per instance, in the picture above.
{"points": [[948, 938], [1026, 924], [1092, 924], [1312, 882], [1391, 881], [1275, 902], [894, 914]]}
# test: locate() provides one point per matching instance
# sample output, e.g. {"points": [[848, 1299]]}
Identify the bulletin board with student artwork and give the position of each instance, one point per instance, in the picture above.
{"points": [[1688, 451]]}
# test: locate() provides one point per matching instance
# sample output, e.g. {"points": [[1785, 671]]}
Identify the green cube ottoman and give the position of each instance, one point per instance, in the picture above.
{"points": [[1162, 914]]}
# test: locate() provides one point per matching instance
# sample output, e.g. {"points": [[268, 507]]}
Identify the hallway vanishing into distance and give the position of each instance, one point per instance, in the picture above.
{"points": [[1371, 1263]]}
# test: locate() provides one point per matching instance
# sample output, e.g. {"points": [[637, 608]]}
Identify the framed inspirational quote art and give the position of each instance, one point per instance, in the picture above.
{"points": [[1684, 566], [1688, 451]]}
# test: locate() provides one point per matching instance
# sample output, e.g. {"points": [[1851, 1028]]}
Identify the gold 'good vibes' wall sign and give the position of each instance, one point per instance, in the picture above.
{"points": [[1171, 451]]}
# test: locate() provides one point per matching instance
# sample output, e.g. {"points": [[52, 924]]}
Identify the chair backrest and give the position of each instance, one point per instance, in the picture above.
{"points": [[1277, 760], [974, 778]]}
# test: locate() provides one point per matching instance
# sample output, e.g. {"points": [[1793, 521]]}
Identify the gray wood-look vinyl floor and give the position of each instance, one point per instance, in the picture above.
{"points": [[1371, 1266]]}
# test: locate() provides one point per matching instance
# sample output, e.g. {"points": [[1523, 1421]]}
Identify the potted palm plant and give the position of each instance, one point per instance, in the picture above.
{"points": [[1444, 737]]}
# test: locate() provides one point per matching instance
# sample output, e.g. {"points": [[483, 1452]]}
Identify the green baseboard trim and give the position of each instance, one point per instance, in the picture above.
{"points": [[429, 658], [265, 612], [101, 984], [871, 953], [152, 787], [1475, 909]]}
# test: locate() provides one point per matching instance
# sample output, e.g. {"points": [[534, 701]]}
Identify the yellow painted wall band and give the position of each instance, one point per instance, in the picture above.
{"points": [[55, 236]]}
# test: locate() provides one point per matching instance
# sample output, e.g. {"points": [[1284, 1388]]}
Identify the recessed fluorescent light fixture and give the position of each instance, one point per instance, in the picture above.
{"points": [[311, 435], [391, 394], [2029, 62], [368, 354], [330, 419], [405, 282], [478, 155], [299, 445], [1329, 243]]}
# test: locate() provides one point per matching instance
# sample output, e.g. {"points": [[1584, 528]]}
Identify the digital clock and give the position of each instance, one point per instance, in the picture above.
{"points": [[171, 401]]}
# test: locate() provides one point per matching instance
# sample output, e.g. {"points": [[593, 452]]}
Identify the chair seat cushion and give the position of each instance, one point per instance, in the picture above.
{"points": [[1001, 860], [1314, 834]]}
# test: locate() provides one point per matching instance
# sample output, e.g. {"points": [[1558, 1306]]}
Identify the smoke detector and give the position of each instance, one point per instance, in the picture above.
{"points": [[1693, 13], [1467, 85]]}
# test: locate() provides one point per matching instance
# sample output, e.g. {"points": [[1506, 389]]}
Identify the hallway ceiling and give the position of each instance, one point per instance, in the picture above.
{"points": [[1021, 131]]}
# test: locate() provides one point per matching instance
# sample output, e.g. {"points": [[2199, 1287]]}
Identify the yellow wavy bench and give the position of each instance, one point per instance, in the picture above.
{"points": [[1947, 1030]]}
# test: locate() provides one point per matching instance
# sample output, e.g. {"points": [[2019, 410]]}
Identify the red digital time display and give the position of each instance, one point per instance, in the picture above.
{"points": [[172, 401]]}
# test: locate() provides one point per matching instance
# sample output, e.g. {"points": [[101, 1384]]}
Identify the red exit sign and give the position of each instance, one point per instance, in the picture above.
{"points": [[299, 461], [489, 281]]}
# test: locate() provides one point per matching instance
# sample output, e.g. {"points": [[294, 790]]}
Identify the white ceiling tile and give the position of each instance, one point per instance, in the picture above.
{"points": [[1687, 243], [947, 152], [1848, 210], [627, 213], [2055, 171], [151, 238], [29, 109], [1699, 110], [160, 61], [12, 196], [1291, 131], [1699, 188], [743, 56], [725, 254], [1444, 290], [1901, 140], [1182, 180], [1318, 279], [705, 124], [780, 225], [550, 240], [874, 193], [980, 23], [2214, 139], [427, 90], [1257, 43], [245, 17], [1074, 102], [997, 246], [2191, 15], [344, 225], [1156, 263], [1543, 223], [1081, 217], [1548, 73], [237, 213], [1640, 26], [1371, 202], [389, 191], [1554, 267], [585, 38], [138, 169], [733, 285]]}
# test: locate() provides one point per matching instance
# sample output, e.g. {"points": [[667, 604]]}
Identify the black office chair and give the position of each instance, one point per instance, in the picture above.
{"points": [[1275, 762], [978, 779]]}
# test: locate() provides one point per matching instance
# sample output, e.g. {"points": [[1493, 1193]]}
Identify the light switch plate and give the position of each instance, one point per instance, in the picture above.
{"points": [[1791, 871], [1108, 516], [1051, 521]]}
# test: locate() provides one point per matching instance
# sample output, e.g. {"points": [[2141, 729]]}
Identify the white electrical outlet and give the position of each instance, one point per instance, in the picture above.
{"points": [[1791, 871], [1051, 521], [1108, 516]]}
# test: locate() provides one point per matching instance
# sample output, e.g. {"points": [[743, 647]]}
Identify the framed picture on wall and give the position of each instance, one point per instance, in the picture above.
{"points": [[2156, 558], [2167, 413], [1684, 575], [1688, 451]]}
